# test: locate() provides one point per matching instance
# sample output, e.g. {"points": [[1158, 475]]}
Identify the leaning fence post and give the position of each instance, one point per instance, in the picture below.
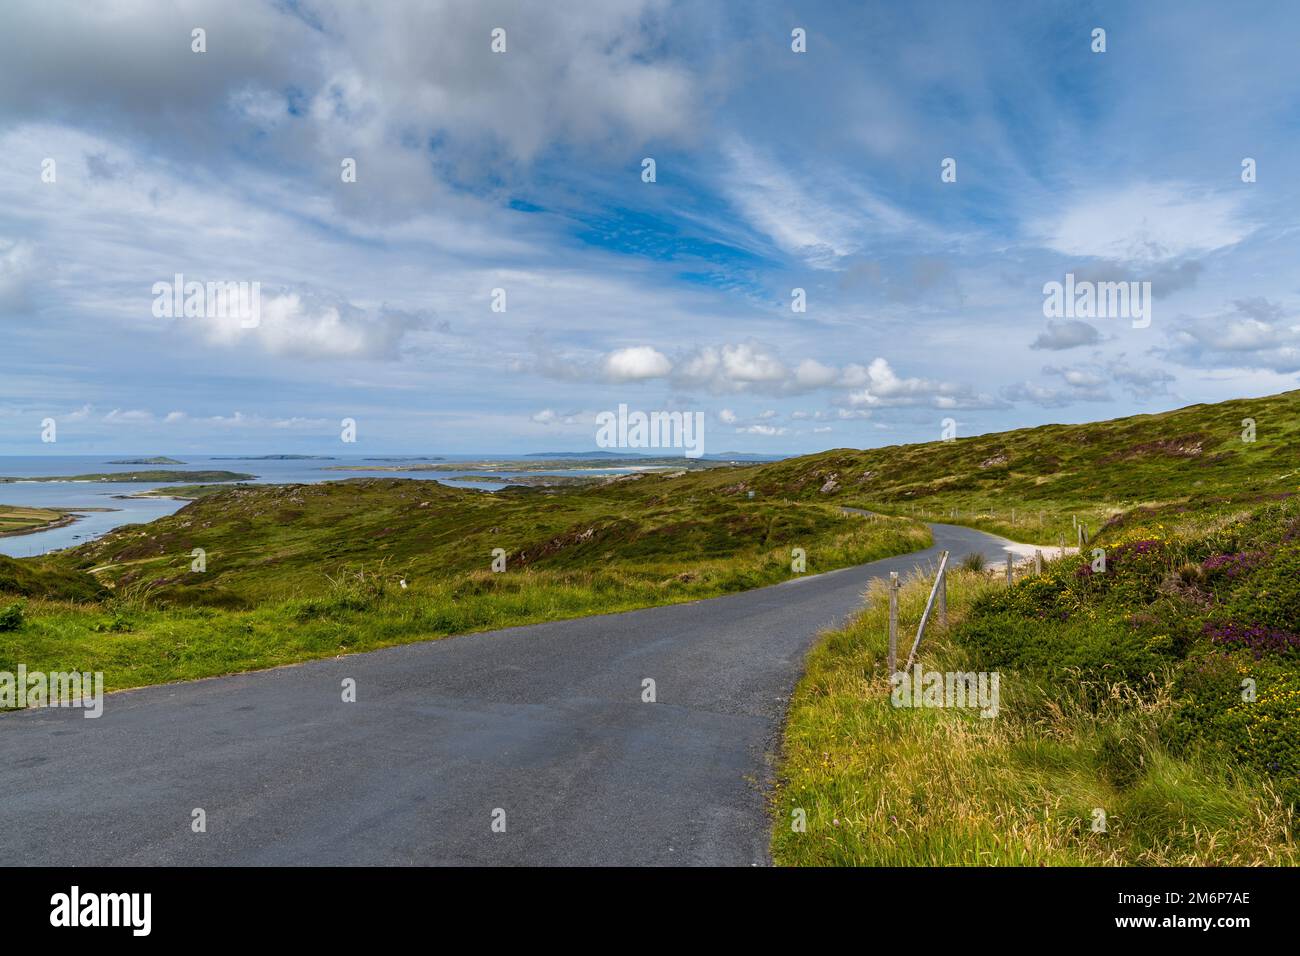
{"points": [[943, 596], [893, 622], [1008, 569], [925, 615]]}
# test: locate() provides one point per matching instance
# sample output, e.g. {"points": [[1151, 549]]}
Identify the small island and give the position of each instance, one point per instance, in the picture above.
{"points": [[271, 458], [137, 477], [157, 460]]}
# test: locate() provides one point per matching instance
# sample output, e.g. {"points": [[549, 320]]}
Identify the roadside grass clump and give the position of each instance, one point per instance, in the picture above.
{"points": [[11, 616]]}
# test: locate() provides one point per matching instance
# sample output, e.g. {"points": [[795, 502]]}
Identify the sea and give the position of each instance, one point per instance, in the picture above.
{"points": [[73, 495]]}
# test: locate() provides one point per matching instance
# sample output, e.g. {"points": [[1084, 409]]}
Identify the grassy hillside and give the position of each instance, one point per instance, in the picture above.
{"points": [[275, 542], [299, 571], [1192, 456]]}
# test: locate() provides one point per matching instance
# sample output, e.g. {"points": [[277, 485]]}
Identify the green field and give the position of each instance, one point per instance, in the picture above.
{"points": [[15, 520]]}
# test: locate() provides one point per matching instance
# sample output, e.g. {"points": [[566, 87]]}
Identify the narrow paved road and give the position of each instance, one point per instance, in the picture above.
{"points": [[543, 722]]}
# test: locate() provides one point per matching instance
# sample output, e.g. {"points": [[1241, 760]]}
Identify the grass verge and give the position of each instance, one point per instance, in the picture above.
{"points": [[880, 785]]}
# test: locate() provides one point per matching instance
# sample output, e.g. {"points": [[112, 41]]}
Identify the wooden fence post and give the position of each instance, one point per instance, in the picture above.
{"points": [[893, 622], [1038, 561], [925, 615], [943, 596], [1008, 569]]}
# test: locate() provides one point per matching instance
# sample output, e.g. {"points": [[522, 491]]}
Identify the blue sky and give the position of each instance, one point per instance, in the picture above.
{"points": [[521, 171]]}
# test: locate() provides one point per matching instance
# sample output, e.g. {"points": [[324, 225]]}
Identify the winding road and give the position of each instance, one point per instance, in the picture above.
{"points": [[540, 727]]}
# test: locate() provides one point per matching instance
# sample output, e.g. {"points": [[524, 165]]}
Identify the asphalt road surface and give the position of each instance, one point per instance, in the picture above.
{"points": [[542, 726]]}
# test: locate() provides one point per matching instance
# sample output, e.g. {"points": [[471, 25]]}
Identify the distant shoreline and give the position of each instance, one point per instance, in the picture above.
{"points": [[66, 518], [62, 522]]}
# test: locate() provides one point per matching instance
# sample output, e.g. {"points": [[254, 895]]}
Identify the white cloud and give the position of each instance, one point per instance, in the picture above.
{"points": [[883, 387], [776, 204], [17, 268], [1090, 382], [309, 327], [636, 363], [549, 416], [1066, 335], [130, 416], [1145, 223], [1254, 334], [811, 374], [732, 367]]}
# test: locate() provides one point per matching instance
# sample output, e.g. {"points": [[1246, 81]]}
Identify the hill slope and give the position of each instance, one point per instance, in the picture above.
{"points": [[1193, 456]]}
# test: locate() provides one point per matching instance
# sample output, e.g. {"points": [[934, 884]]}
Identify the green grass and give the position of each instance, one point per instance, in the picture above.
{"points": [[1119, 693], [1192, 457], [302, 571], [16, 520]]}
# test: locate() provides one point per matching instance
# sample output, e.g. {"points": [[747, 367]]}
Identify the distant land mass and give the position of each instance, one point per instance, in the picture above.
{"points": [[585, 454], [271, 458], [132, 477], [626, 454], [533, 481], [157, 460], [572, 463]]}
